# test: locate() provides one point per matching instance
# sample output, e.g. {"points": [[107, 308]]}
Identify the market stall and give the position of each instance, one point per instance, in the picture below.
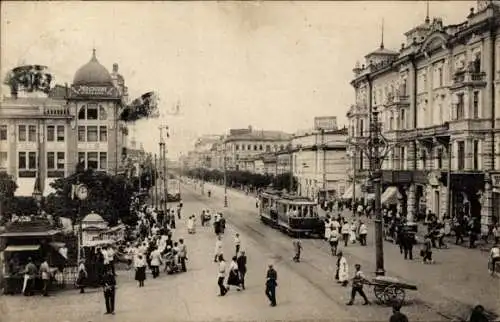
{"points": [[33, 239]]}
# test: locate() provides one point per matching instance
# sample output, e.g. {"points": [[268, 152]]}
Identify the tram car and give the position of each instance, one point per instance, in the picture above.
{"points": [[293, 215]]}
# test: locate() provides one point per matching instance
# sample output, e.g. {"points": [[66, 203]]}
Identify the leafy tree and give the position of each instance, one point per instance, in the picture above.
{"points": [[109, 196], [7, 185]]}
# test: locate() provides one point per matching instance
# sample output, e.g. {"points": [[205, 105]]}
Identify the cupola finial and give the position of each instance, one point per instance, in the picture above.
{"points": [[427, 18], [382, 35]]}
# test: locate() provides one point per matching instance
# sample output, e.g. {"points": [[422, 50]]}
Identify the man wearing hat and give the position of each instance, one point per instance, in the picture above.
{"points": [[271, 284]]}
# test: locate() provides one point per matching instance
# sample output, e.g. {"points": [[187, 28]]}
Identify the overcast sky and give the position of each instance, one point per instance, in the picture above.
{"points": [[273, 65]]}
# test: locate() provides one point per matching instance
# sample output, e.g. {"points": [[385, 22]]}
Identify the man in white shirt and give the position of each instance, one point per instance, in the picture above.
{"points": [[156, 261], [221, 275], [346, 229], [494, 258], [218, 248], [363, 231], [237, 243]]}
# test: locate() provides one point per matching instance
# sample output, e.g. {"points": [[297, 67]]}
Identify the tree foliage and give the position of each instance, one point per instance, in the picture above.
{"points": [[109, 196], [7, 185], [245, 178]]}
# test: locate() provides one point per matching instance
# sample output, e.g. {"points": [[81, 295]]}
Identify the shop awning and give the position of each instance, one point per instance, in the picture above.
{"points": [[349, 191], [390, 196], [22, 248], [370, 196]]}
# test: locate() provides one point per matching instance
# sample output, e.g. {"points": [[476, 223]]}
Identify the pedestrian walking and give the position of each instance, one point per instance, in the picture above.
{"points": [[297, 246], [363, 232], [182, 254], [494, 258], [397, 316], [222, 221], [334, 241], [82, 276], [242, 267], [478, 315], [218, 248], [346, 228], [234, 275], [156, 262], [190, 225], [237, 243], [408, 240], [342, 269], [426, 251], [140, 269], [109, 288], [328, 228], [45, 274], [29, 278], [271, 284], [221, 275], [352, 232], [357, 285]]}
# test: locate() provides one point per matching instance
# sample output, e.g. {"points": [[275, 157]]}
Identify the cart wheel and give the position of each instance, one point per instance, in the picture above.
{"points": [[395, 294], [379, 293]]}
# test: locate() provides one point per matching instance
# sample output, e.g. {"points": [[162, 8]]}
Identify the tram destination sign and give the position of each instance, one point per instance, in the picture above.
{"points": [[94, 91]]}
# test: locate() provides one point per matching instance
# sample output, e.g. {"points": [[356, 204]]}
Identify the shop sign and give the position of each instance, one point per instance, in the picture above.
{"points": [[495, 180], [94, 91]]}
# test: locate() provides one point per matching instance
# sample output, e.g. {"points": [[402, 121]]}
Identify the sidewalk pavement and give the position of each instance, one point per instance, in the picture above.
{"points": [[190, 296], [457, 281]]}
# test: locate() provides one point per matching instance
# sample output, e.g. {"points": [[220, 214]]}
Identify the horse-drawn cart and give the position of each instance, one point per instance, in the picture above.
{"points": [[390, 290]]}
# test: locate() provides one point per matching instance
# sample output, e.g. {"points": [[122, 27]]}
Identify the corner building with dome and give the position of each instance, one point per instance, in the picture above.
{"points": [[46, 135]]}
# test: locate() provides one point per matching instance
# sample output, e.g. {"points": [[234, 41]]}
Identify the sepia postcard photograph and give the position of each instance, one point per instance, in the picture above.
{"points": [[220, 161]]}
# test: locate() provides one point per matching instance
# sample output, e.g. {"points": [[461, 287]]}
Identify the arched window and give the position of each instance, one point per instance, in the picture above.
{"points": [[81, 113], [260, 147]]}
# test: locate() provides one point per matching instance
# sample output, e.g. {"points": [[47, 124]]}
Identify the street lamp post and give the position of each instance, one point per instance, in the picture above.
{"points": [[375, 144]]}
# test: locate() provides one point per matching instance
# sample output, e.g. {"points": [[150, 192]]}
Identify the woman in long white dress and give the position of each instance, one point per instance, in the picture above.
{"points": [[352, 233], [328, 228], [343, 269], [190, 225]]}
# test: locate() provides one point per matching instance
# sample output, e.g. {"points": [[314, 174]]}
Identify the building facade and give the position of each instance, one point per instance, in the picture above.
{"points": [[45, 137], [319, 162], [243, 145], [439, 112]]}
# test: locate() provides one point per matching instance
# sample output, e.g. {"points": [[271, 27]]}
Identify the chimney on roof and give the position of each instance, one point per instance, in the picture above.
{"points": [[250, 128]]}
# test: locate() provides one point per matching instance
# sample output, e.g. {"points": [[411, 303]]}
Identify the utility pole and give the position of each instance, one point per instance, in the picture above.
{"points": [[225, 177], [375, 144], [155, 173], [354, 174], [163, 157]]}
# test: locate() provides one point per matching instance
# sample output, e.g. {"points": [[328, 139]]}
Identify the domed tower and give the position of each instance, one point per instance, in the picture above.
{"points": [[95, 103]]}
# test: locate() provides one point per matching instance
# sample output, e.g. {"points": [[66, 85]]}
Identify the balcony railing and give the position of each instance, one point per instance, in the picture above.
{"points": [[55, 111], [465, 78]]}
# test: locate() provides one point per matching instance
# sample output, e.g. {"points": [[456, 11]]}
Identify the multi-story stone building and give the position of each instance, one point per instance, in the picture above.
{"points": [[243, 145], [319, 162], [45, 137], [439, 105]]}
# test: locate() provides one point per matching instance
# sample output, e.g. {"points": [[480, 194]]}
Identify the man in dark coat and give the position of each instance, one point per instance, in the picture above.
{"points": [[108, 286], [271, 284], [242, 267]]}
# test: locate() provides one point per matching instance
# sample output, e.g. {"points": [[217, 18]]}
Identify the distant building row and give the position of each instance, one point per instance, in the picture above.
{"points": [[317, 158]]}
